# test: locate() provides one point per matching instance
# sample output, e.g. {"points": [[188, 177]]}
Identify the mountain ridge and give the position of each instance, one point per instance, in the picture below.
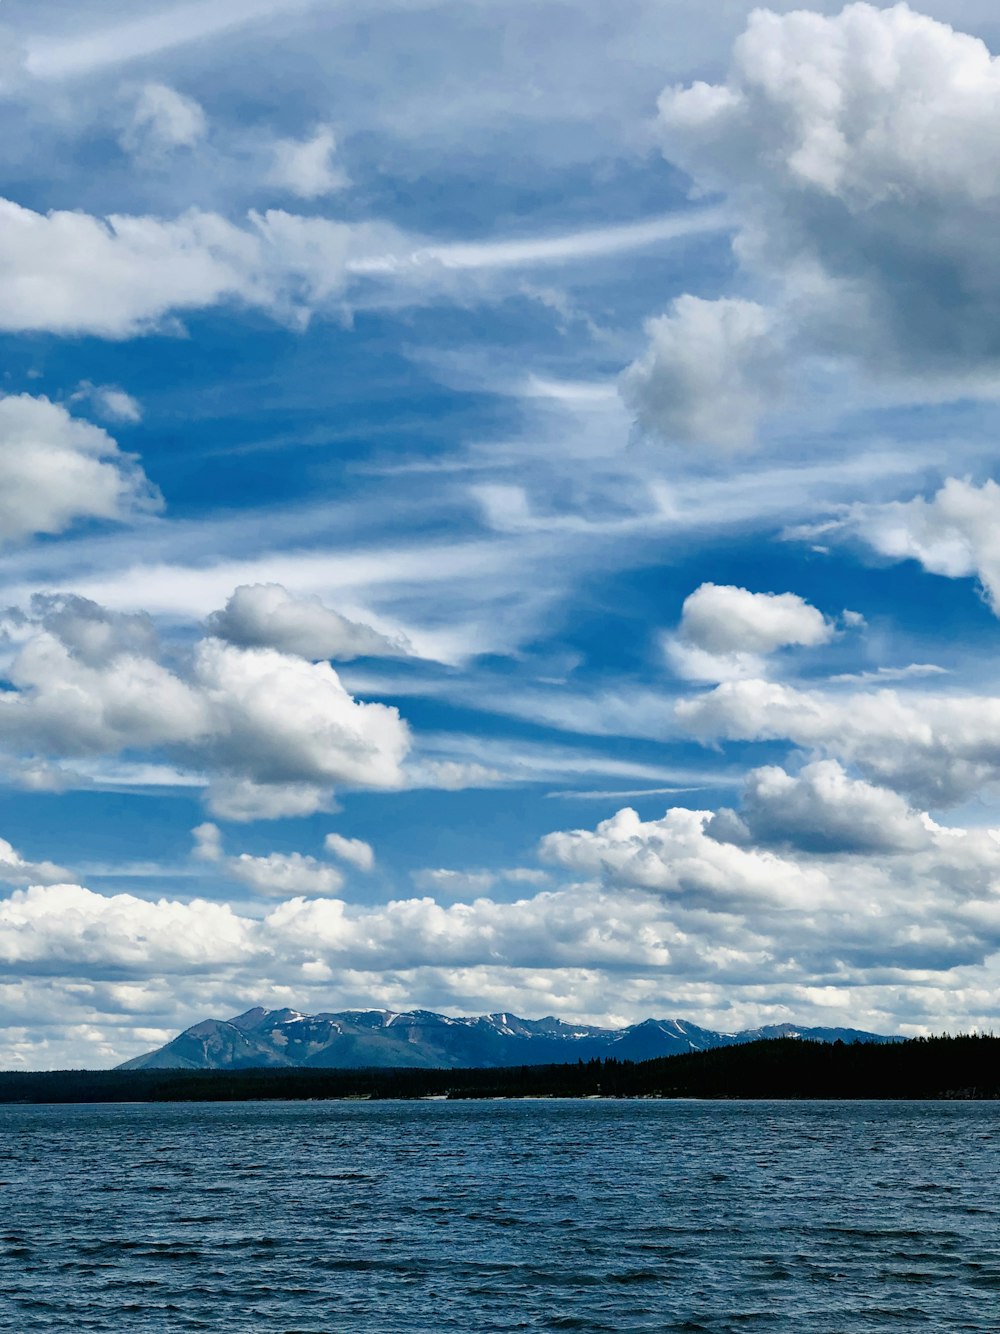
{"points": [[360, 1038]]}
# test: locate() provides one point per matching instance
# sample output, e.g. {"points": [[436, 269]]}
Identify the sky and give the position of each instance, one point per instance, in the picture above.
{"points": [[498, 512]]}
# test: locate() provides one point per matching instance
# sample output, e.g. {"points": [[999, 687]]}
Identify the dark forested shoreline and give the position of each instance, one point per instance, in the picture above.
{"points": [[943, 1067]]}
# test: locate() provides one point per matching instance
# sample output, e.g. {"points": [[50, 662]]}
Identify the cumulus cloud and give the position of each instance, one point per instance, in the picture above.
{"points": [[355, 851], [956, 533], [276, 733], [14, 870], [674, 856], [307, 167], [162, 120], [709, 371], [857, 151], [725, 631], [268, 616], [70, 273], [71, 926], [828, 911], [721, 618], [820, 809], [281, 874], [280, 719], [937, 748], [93, 634], [56, 470]]}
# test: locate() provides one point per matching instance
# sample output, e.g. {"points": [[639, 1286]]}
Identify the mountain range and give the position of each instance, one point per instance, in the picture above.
{"points": [[354, 1039]]}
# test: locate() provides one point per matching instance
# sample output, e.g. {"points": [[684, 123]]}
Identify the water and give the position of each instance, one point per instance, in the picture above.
{"points": [[840, 1218]]}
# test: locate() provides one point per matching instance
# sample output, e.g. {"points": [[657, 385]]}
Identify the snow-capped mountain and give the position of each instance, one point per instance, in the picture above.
{"points": [[357, 1038]]}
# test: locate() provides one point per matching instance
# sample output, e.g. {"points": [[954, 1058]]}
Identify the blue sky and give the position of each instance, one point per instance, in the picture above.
{"points": [[497, 512]]}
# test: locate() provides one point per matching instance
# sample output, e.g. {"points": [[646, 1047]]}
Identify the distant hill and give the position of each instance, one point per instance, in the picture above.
{"points": [[945, 1067], [420, 1039]]}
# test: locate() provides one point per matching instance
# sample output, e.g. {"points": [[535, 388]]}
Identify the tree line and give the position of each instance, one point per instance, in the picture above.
{"points": [[939, 1067]]}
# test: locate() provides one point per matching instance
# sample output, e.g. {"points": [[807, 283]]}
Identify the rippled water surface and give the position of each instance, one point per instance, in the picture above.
{"points": [[492, 1216]]}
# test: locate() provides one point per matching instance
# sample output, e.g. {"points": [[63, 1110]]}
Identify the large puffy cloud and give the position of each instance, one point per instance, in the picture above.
{"points": [[72, 273], [69, 926], [280, 719], [956, 533], [56, 469], [675, 857], [276, 732], [62, 704], [938, 748], [858, 152], [268, 616], [830, 911], [821, 809], [725, 631]]}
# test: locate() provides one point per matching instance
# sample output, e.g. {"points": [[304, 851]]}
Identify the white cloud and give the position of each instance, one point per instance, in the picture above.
{"points": [[525, 875], [56, 470], [725, 631], [836, 911], [207, 842], [109, 402], [162, 120], [64, 705], [72, 926], [675, 857], [821, 809], [354, 851], [307, 167], [280, 719], [281, 874], [68, 55], [710, 370], [268, 616], [274, 732], [241, 799], [938, 748], [14, 870], [70, 273], [721, 618], [858, 153], [956, 533], [442, 880], [90, 632]]}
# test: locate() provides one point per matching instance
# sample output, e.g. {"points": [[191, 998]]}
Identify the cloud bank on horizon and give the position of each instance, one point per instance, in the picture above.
{"points": [[509, 528]]}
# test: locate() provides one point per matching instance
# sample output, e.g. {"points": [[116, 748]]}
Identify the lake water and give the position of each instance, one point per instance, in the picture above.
{"points": [[840, 1218]]}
